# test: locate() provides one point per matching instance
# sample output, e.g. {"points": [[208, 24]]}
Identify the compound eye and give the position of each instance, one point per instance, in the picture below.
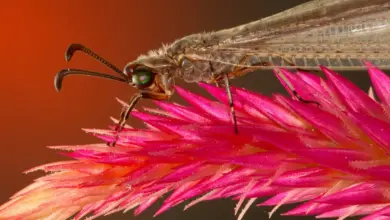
{"points": [[129, 69], [142, 78]]}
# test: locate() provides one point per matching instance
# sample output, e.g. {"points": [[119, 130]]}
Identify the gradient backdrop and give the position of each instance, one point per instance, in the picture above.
{"points": [[34, 36]]}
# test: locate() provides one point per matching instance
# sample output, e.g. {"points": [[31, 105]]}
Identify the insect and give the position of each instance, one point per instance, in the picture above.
{"points": [[335, 33]]}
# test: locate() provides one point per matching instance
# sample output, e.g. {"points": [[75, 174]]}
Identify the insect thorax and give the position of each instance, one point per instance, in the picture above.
{"points": [[186, 59], [196, 65]]}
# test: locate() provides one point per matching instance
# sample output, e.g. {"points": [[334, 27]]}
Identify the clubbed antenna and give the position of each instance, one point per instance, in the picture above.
{"points": [[79, 47], [60, 76]]}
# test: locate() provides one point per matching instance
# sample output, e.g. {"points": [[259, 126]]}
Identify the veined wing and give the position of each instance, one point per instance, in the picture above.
{"points": [[335, 33]]}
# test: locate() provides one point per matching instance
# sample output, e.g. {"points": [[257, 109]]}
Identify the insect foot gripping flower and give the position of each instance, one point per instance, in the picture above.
{"points": [[333, 159]]}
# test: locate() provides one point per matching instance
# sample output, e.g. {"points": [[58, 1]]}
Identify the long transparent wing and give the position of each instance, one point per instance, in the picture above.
{"points": [[335, 33]]}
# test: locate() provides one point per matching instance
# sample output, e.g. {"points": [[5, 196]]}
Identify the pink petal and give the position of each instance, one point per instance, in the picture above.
{"points": [[371, 194], [353, 97], [325, 122], [375, 128], [338, 159], [305, 90], [305, 194], [379, 214], [308, 177], [213, 109], [270, 109], [310, 208], [184, 112], [146, 204], [312, 80], [381, 83], [182, 172]]}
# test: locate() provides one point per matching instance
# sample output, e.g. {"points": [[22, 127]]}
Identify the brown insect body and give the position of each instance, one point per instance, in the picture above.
{"points": [[338, 34]]}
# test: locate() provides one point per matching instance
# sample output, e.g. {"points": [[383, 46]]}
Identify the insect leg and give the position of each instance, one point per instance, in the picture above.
{"points": [[124, 116], [294, 92], [231, 103], [241, 71], [218, 84], [125, 113]]}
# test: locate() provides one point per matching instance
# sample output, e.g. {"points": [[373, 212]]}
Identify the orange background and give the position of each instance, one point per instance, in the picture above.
{"points": [[34, 36]]}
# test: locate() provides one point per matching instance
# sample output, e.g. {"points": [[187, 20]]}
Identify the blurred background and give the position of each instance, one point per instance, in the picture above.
{"points": [[33, 39]]}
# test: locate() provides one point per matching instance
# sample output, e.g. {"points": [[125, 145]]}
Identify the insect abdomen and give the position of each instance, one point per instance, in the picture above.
{"points": [[339, 61], [308, 60], [238, 65]]}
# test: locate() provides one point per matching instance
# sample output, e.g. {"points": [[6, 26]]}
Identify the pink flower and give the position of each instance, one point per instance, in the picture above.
{"points": [[334, 158]]}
